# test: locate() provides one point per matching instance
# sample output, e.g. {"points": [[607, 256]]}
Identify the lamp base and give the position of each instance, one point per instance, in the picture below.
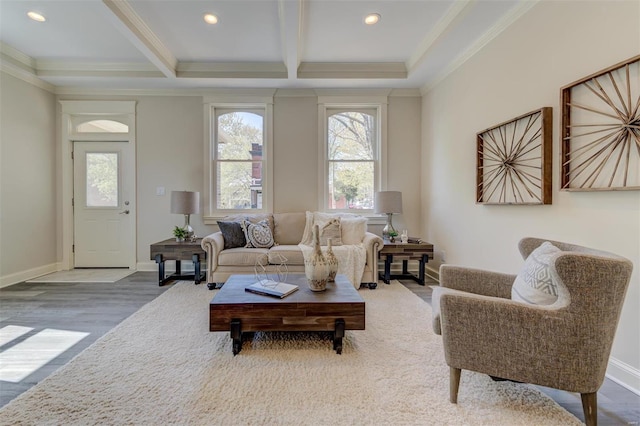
{"points": [[190, 236], [389, 233]]}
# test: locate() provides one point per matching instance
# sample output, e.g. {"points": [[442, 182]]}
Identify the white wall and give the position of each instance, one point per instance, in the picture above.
{"points": [[521, 70], [170, 145], [27, 181]]}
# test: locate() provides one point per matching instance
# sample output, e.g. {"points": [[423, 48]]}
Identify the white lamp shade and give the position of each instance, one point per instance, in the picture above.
{"points": [[185, 202], [388, 202]]}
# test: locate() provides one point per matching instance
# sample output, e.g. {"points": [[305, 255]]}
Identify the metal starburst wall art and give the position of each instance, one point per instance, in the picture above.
{"points": [[601, 130], [514, 161]]}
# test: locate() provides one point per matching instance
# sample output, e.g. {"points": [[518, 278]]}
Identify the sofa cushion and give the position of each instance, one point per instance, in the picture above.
{"points": [[240, 256], [291, 252], [232, 234], [288, 227], [534, 284], [258, 235], [251, 217]]}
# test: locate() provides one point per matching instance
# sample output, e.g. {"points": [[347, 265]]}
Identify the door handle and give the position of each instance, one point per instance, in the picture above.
{"points": [[125, 212]]}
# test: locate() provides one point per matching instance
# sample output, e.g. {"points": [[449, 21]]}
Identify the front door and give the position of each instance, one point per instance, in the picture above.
{"points": [[103, 187]]}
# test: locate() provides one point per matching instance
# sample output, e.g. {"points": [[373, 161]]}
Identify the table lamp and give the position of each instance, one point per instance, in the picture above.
{"points": [[388, 202], [186, 203]]}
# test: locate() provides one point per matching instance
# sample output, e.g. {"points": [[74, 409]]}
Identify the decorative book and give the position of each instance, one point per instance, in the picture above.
{"points": [[272, 288]]}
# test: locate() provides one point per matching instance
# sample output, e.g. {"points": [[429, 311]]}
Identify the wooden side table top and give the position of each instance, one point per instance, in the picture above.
{"points": [[412, 251], [170, 249]]}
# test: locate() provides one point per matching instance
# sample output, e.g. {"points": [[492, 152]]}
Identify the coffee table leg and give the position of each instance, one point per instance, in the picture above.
{"points": [[236, 335], [338, 334]]}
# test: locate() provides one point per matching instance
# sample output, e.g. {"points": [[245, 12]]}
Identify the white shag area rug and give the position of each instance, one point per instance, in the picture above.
{"points": [[162, 366]]}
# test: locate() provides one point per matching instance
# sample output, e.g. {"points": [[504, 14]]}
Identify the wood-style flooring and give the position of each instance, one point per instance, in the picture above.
{"points": [[96, 308]]}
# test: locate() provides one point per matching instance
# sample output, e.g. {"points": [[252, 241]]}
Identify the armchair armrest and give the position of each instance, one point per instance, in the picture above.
{"points": [[477, 281], [516, 341], [373, 244]]}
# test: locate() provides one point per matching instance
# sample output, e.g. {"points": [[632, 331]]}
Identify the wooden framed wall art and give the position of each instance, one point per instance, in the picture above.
{"points": [[514, 161], [601, 130]]}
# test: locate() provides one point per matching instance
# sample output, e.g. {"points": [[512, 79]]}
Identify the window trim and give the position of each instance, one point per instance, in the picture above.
{"points": [[211, 214], [326, 105]]}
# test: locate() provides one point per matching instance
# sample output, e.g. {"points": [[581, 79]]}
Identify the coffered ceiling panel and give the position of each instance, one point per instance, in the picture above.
{"points": [[165, 44]]}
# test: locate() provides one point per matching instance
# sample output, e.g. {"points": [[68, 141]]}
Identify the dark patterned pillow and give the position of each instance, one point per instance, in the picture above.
{"points": [[258, 235], [232, 234]]}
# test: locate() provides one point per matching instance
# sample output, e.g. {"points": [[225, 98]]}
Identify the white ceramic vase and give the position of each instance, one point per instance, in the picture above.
{"points": [[332, 261], [315, 265]]}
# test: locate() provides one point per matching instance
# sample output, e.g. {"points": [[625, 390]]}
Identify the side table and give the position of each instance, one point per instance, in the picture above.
{"points": [[405, 252], [172, 250]]}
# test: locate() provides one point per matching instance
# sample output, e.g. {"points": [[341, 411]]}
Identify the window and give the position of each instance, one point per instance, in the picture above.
{"points": [[238, 173], [352, 145]]}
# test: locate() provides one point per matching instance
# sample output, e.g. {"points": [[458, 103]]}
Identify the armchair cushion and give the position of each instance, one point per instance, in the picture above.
{"points": [[233, 234], [534, 284]]}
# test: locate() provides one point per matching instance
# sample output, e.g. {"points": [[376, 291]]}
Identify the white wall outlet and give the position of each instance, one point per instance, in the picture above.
{"points": [[160, 190], [443, 256]]}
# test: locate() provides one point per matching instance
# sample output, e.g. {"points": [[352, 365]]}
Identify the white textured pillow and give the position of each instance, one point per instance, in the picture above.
{"points": [[354, 234], [330, 229], [534, 284], [353, 229]]}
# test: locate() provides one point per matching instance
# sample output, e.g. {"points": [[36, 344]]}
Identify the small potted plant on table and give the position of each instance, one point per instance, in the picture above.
{"points": [[179, 233]]}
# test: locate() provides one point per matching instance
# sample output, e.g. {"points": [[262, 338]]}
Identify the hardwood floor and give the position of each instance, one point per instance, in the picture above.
{"points": [[95, 309]]}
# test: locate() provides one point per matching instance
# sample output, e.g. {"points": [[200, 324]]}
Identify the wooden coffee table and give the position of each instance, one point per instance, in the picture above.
{"points": [[337, 309]]}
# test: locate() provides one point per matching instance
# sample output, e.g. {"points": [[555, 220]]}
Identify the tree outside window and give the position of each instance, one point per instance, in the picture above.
{"points": [[239, 160], [351, 142]]}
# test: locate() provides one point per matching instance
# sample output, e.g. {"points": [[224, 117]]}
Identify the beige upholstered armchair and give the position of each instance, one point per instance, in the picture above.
{"points": [[563, 345]]}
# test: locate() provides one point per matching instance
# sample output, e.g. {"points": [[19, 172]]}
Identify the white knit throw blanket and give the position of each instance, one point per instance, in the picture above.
{"points": [[351, 260]]}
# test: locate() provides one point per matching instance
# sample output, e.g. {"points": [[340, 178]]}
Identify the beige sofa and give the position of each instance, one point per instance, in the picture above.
{"points": [[288, 230]]}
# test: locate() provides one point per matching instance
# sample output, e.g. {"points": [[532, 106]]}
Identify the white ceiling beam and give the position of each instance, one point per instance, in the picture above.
{"points": [[231, 70], [442, 27], [48, 68], [291, 19], [21, 66], [140, 35], [352, 70]]}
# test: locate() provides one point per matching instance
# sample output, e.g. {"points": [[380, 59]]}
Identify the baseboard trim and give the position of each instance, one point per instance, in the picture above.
{"points": [[624, 374], [29, 274]]}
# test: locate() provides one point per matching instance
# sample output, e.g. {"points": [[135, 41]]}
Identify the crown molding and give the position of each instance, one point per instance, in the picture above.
{"points": [[502, 24], [48, 68], [140, 35], [352, 70], [231, 70], [438, 32], [21, 66]]}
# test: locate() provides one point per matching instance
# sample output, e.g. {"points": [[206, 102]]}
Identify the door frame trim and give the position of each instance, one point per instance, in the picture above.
{"points": [[71, 111]]}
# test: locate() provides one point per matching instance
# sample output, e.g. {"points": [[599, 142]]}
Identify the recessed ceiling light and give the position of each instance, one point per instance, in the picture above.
{"points": [[36, 16], [372, 18], [210, 18]]}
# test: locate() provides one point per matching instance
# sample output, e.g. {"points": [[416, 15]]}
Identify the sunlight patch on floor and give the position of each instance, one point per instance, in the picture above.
{"points": [[24, 358]]}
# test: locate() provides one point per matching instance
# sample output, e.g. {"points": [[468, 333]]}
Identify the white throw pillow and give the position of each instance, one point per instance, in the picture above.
{"points": [[320, 218], [353, 229], [330, 229], [534, 283]]}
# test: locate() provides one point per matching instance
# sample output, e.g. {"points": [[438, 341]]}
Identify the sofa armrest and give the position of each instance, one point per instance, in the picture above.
{"points": [[477, 281], [213, 244], [373, 244]]}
